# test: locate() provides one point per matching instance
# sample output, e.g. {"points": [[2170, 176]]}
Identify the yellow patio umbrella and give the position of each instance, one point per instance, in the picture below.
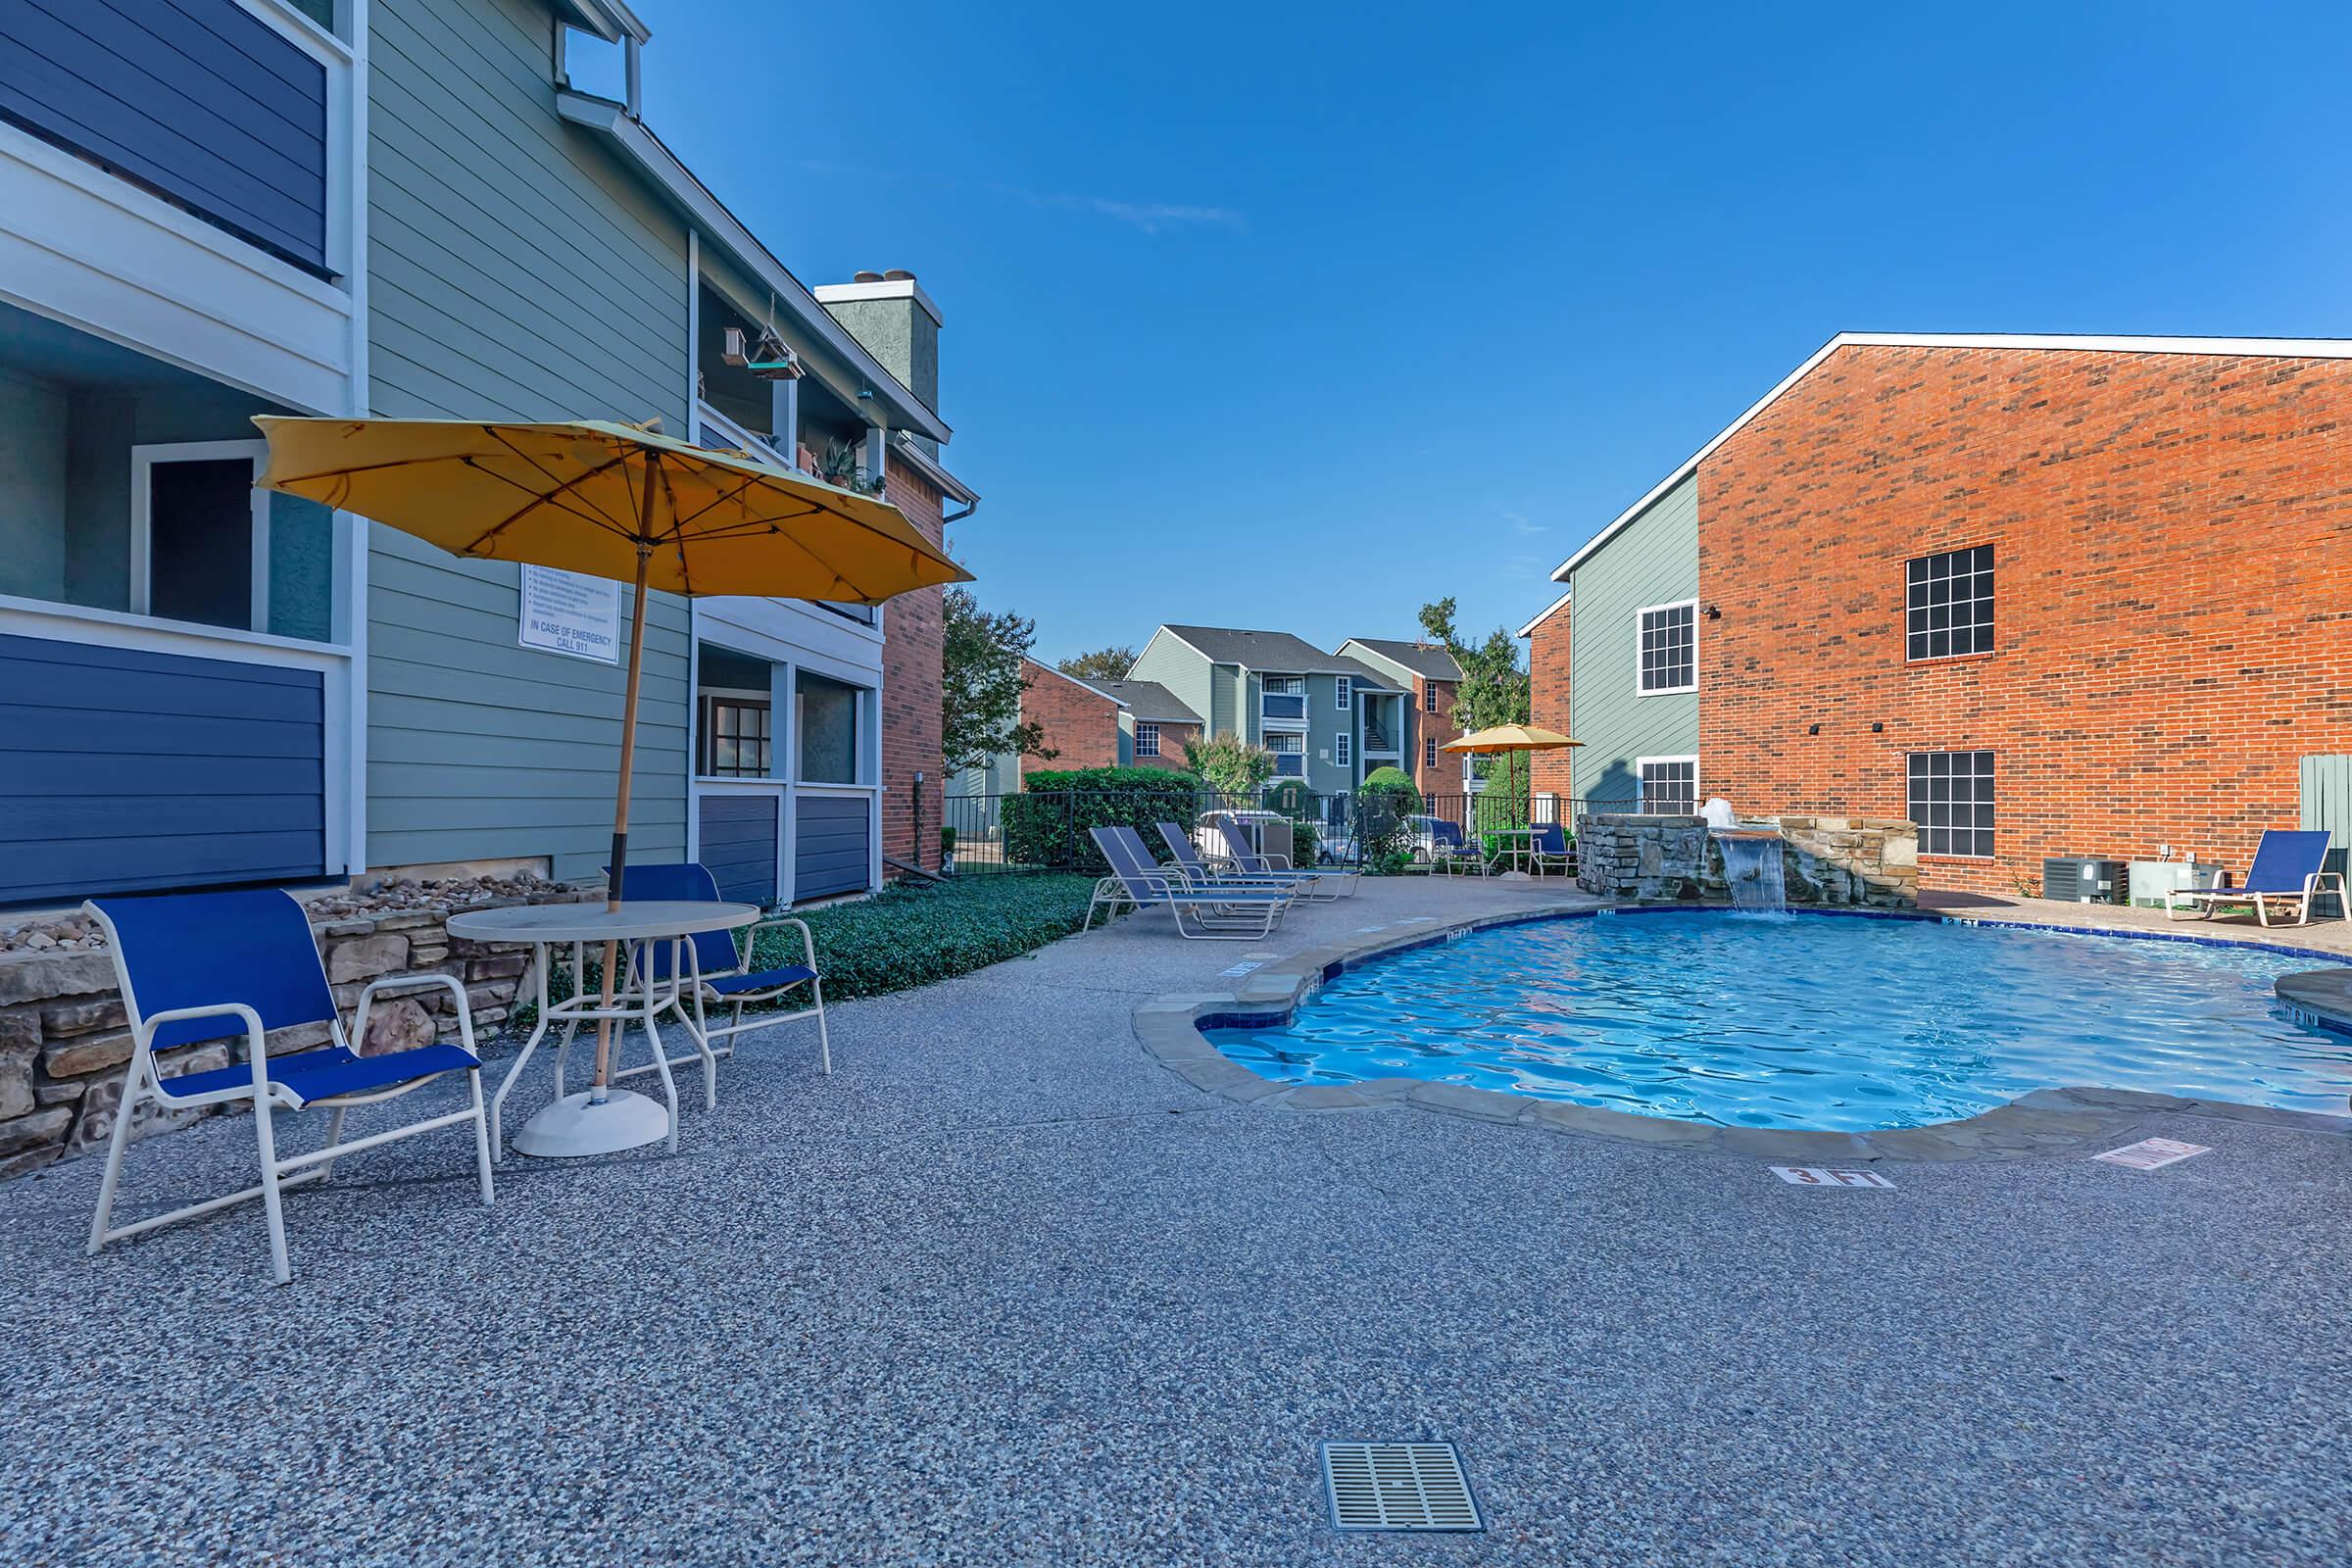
{"points": [[1511, 738], [615, 501]]}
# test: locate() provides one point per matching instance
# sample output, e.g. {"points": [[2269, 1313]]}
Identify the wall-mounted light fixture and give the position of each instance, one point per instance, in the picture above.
{"points": [[1812, 729], [1714, 611], [1876, 728]]}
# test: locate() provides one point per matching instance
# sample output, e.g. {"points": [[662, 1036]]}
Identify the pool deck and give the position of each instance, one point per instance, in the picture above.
{"points": [[2330, 936], [1007, 1289]]}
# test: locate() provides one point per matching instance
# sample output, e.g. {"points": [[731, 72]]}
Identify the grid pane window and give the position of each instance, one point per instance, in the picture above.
{"points": [[1950, 795], [1285, 742], [1670, 648], [1147, 739], [1947, 604], [738, 739], [1670, 786], [1429, 697], [1286, 685], [1340, 745], [1342, 692], [1429, 751]]}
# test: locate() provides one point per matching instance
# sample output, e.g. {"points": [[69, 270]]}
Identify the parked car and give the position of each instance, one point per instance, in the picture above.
{"points": [[1424, 842]]}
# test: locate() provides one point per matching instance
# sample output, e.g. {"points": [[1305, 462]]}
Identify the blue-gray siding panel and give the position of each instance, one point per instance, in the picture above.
{"points": [[833, 846], [515, 270], [123, 770], [198, 100], [739, 845]]}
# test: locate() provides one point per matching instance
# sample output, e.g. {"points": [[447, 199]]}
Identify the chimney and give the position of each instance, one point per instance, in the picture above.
{"points": [[897, 323]]}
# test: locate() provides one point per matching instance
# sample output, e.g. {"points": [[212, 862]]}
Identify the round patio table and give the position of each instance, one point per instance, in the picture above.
{"points": [[581, 1124]]}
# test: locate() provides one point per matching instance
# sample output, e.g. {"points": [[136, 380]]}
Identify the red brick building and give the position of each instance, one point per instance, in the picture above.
{"points": [[2046, 596], [914, 773], [1081, 722], [1547, 694]]}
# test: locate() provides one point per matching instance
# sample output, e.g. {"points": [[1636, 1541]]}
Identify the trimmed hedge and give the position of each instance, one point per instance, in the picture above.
{"points": [[908, 934], [1047, 823]]}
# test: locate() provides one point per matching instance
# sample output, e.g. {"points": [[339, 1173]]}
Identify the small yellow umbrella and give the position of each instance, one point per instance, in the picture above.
{"points": [[1511, 738], [614, 501]]}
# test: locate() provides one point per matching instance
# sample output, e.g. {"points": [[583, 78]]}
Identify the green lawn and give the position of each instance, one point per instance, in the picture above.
{"points": [[910, 935]]}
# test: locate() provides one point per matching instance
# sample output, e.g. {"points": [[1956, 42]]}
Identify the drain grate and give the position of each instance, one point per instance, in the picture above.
{"points": [[1398, 1486]]}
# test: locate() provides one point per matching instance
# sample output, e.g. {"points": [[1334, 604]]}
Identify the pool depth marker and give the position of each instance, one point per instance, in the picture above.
{"points": [[1826, 1176]]}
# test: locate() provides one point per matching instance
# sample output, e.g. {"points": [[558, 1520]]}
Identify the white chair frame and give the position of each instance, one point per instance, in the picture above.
{"points": [[746, 951], [144, 1083], [2204, 900]]}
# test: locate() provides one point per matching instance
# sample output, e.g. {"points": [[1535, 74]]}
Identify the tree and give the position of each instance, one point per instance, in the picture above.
{"points": [[1493, 689], [980, 685], [1229, 765], [1103, 663]]}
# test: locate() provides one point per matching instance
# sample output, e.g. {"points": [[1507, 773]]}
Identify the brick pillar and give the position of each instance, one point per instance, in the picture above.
{"points": [[912, 740]]}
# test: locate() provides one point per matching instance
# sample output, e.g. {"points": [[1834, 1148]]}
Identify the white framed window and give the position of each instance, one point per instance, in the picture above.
{"points": [[1340, 752], [1950, 798], [1429, 750], [1947, 604], [1342, 692], [1285, 685], [1286, 743], [1429, 696], [1669, 785], [1666, 649], [200, 534], [1147, 739]]}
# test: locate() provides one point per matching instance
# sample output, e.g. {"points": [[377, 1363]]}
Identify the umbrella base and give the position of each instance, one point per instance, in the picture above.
{"points": [[572, 1128], [1514, 876]]}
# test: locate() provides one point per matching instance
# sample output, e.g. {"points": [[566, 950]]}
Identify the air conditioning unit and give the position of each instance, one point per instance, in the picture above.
{"points": [[2077, 879]]}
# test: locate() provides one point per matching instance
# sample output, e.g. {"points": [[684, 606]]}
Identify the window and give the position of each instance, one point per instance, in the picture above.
{"points": [[1147, 739], [1429, 750], [737, 738], [1339, 748], [1669, 652], [829, 727], [1951, 799], [1429, 696], [1669, 785], [1342, 692], [1286, 685], [1947, 604], [1290, 752]]}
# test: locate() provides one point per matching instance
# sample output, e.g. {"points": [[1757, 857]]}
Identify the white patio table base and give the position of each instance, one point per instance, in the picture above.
{"points": [[581, 1124]]}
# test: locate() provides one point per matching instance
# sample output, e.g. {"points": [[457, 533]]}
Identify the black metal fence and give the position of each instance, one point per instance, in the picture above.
{"points": [[1047, 830]]}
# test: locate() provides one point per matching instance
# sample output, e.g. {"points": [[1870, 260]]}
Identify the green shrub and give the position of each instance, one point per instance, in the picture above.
{"points": [[909, 935], [1047, 823], [1382, 803]]}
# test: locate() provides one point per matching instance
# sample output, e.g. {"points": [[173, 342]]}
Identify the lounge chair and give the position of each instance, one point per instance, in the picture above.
{"points": [[1318, 885], [1221, 914], [1202, 874], [2289, 869], [1547, 850], [719, 973], [201, 967], [1451, 852]]}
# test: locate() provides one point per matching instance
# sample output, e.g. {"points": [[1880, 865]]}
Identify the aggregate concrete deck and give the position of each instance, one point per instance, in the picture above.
{"points": [[1005, 1290]]}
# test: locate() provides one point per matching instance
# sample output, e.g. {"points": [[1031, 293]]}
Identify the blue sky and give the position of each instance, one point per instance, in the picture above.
{"points": [[1295, 316]]}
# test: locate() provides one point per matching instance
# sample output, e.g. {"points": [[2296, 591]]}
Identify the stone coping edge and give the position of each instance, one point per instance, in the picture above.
{"points": [[2045, 1121]]}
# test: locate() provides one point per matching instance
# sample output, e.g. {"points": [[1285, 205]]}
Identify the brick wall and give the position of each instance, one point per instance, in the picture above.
{"points": [[1172, 738], [1547, 698], [2173, 618], [912, 740], [1082, 726], [1445, 778]]}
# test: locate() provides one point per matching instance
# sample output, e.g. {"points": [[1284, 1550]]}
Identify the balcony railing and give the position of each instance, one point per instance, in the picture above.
{"points": [[1274, 705], [723, 432], [1290, 764]]}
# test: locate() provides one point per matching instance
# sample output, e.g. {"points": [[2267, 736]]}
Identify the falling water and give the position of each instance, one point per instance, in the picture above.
{"points": [[1751, 865]]}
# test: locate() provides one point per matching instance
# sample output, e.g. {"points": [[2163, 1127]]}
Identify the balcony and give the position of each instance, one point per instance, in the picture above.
{"points": [[1274, 705], [722, 433], [1378, 742], [1290, 764]]}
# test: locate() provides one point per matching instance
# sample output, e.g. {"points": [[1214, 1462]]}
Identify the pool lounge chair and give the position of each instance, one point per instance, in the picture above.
{"points": [[2287, 870], [1202, 874], [1218, 914], [1320, 886], [719, 973], [233, 968], [1449, 851], [1547, 850]]}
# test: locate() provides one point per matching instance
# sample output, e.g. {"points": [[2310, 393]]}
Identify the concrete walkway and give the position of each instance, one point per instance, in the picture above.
{"points": [[1004, 1289]]}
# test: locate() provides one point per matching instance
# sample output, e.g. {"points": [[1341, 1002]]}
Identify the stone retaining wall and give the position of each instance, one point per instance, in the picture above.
{"points": [[1863, 861], [65, 1041]]}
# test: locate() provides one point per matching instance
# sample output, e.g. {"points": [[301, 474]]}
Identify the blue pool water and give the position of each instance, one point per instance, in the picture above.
{"points": [[1820, 1021]]}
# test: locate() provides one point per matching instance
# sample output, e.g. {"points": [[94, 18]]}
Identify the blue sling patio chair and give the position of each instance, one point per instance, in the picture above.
{"points": [[1320, 886], [1201, 873], [1547, 850], [1451, 852], [2289, 870], [202, 966], [712, 971], [1218, 914]]}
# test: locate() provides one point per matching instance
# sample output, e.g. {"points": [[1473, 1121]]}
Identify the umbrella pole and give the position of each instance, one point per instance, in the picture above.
{"points": [[621, 818]]}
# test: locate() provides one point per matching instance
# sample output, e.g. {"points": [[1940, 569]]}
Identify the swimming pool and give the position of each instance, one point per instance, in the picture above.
{"points": [[1815, 1021]]}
